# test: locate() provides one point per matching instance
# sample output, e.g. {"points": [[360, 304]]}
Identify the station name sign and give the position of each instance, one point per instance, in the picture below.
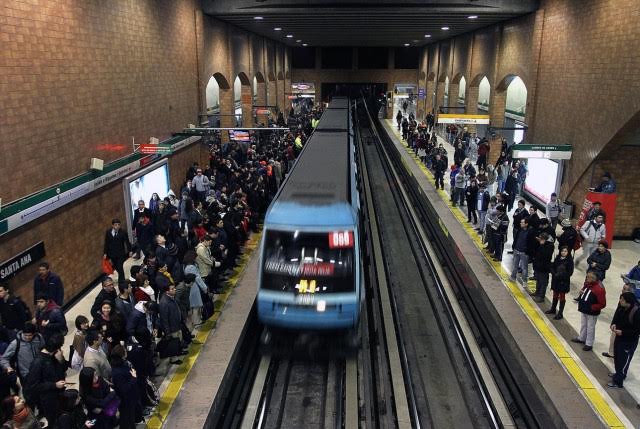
{"points": [[559, 151], [14, 265], [463, 119]]}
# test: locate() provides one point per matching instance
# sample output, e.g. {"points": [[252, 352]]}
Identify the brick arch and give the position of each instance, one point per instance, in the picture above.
{"points": [[477, 79], [271, 76], [456, 79], [287, 75], [443, 77], [504, 83], [244, 80], [223, 82], [431, 76], [280, 75], [260, 77], [423, 75]]}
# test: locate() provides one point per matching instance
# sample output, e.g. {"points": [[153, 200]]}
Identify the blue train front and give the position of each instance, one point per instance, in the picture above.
{"points": [[309, 276]]}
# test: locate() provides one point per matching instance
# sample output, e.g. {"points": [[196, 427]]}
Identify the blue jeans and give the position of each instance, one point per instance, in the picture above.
{"points": [[482, 217], [520, 261]]}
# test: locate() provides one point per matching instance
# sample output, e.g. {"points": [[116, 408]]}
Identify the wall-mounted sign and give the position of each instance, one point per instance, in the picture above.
{"points": [[559, 151], [462, 119], [14, 265]]}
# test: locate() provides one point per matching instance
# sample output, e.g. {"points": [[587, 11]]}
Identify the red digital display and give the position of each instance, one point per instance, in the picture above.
{"points": [[341, 239], [321, 269]]}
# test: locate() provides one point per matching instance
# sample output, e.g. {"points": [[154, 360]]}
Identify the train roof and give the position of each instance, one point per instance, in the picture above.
{"points": [[339, 103], [321, 174], [334, 120]]}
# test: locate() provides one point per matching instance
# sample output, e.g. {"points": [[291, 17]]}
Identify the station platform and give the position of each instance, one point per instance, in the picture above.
{"points": [[188, 390], [572, 378]]}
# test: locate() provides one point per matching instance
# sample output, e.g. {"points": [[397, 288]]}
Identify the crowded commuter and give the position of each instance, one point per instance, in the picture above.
{"points": [[117, 248], [16, 414], [49, 283], [99, 398], [22, 351], [561, 272], [107, 293], [591, 301], [627, 287], [553, 210], [482, 206], [592, 232], [500, 228], [79, 345], [600, 260], [95, 356], [49, 318], [632, 277], [542, 265], [522, 251], [595, 211], [14, 313], [569, 235], [626, 327], [126, 387]]}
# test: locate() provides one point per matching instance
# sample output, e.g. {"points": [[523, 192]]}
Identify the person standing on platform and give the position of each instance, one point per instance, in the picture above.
{"points": [[591, 301], [592, 232], [439, 168], [633, 276], [500, 228], [521, 251], [117, 248], [595, 211], [542, 265], [626, 327], [519, 214], [569, 235], [108, 293], [14, 313], [201, 183], [627, 287], [553, 210], [561, 272], [482, 205], [600, 260], [49, 283], [399, 119]]}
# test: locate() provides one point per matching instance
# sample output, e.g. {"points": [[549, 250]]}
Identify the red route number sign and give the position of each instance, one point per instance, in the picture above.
{"points": [[340, 239]]}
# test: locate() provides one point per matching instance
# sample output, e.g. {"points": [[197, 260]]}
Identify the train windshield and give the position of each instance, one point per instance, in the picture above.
{"points": [[315, 263]]}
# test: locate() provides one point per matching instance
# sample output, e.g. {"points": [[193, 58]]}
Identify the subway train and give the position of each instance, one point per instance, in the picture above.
{"points": [[309, 269]]}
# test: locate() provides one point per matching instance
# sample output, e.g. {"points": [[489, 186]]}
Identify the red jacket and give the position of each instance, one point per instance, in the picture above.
{"points": [[592, 298]]}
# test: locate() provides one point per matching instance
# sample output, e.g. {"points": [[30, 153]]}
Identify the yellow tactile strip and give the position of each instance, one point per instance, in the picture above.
{"points": [[580, 378], [180, 376]]}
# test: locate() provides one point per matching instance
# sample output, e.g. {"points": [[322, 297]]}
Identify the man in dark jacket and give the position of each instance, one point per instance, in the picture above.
{"points": [[117, 248], [519, 214], [45, 382], [591, 301], [108, 292], [499, 232], [49, 318], [13, 311], [600, 260], [626, 327], [439, 167], [521, 251], [49, 283], [542, 265], [171, 317]]}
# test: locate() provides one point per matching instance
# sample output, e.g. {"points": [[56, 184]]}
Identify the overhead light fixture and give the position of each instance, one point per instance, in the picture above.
{"points": [[277, 29], [472, 17], [258, 18], [289, 36], [304, 44], [427, 35], [298, 41], [406, 44], [445, 28]]}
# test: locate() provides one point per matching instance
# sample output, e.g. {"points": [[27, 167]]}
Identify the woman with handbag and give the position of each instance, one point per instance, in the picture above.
{"points": [[99, 398]]}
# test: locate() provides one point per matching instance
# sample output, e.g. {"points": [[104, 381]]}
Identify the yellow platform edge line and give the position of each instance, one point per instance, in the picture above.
{"points": [[597, 401], [180, 376]]}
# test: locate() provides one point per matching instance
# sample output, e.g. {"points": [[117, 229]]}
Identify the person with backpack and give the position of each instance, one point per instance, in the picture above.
{"points": [[22, 351], [49, 317], [198, 289], [626, 327], [592, 232], [14, 313], [46, 379]]}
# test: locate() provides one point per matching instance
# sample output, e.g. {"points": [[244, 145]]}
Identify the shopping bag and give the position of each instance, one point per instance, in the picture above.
{"points": [[107, 268]]}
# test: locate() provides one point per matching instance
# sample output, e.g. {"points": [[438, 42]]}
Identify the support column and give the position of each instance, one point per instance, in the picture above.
{"points": [[471, 104], [439, 96], [454, 89], [281, 97], [246, 103], [226, 110], [431, 86], [261, 100]]}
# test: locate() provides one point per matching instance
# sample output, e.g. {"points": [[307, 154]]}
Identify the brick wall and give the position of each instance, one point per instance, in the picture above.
{"points": [[80, 80]]}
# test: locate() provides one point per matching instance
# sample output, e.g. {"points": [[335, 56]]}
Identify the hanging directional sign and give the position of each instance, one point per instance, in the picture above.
{"points": [[558, 151]]}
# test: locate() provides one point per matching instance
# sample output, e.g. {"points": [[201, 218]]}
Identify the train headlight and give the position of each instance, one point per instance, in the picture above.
{"points": [[321, 306]]}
